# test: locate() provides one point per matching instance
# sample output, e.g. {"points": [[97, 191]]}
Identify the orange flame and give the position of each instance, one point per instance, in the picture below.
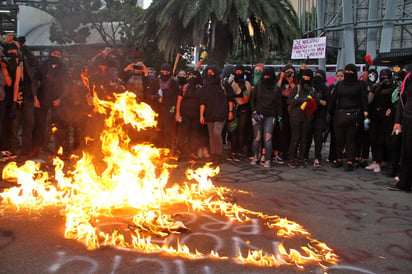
{"points": [[137, 177]]}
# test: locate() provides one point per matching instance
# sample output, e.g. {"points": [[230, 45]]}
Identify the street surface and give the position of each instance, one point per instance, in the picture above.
{"points": [[368, 227]]}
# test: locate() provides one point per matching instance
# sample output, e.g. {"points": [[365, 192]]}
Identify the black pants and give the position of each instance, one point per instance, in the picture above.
{"points": [[190, 134], [363, 148], [40, 125], [345, 136], [281, 140], [240, 136], [380, 137], [405, 175], [315, 132], [300, 131], [332, 143], [25, 118]]}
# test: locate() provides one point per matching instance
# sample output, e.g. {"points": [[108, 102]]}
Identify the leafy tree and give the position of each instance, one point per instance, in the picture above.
{"points": [[241, 26], [111, 19]]}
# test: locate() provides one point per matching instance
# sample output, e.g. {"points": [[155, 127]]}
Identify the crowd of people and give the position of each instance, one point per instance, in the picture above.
{"points": [[264, 116]]}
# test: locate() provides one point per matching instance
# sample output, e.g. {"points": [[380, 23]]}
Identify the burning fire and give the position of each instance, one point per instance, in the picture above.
{"points": [[137, 177]]}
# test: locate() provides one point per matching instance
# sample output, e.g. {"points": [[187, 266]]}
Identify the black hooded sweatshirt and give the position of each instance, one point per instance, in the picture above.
{"points": [[266, 98], [214, 98]]}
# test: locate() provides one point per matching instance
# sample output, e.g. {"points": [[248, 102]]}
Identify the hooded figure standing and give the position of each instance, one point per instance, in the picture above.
{"points": [[214, 110], [348, 104], [49, 87], [266, 105], [164, 94]]}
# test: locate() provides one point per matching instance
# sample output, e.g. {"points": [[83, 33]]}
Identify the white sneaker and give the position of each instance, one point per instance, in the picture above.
{"points": [[371, 167], [316, 163], [377, 169], [267, 164], [206, 153], [262, 160], [254, 161]]}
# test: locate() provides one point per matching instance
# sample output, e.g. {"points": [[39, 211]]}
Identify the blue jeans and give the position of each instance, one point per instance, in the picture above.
{"points": [[264, 128]]}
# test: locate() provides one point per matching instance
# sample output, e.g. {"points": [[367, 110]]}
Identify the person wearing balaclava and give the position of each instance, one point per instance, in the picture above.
{"points": [[380, 129], [190, 139], [214, 111], [266, 106], [50, 89], [12, 101], [163, 94], [319, 116], [349, 105], [299, 121], [403, 127], [241, 89], [287, 80]]}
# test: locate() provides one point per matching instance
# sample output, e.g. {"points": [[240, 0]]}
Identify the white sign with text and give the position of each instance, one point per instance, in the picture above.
{"points": [[312, 48]]}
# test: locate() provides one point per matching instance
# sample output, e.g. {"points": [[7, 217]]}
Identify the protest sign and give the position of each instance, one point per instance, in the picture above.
{"points": [[312, 48]]}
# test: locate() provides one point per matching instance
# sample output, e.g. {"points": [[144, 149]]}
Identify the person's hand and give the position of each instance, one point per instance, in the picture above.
{"points": [[36, 103], [388, 112], [202, 120], [397, 128], [178, 118], [255, 117]]}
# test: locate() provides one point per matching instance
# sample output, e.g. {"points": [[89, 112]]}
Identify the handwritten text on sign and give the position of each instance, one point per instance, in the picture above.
{"points": [[311, 48]]}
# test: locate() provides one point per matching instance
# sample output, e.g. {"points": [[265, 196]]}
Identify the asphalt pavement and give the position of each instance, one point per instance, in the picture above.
{"points": [[367, 226]]}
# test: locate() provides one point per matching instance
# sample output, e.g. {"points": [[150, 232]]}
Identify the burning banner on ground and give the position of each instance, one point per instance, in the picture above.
{"points": [[136, 177]]}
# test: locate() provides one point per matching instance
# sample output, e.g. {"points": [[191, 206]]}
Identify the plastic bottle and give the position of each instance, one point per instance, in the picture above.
{"points": [[366, 123]]}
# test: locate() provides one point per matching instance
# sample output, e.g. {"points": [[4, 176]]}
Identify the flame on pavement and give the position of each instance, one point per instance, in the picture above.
{"points": [[136, 176]]}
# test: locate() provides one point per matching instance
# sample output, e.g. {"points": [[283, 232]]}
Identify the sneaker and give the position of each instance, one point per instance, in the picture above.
{"points": [[337, 164], [302, 164], [377, 169], [254, 161], [231, 157], [356, 164], [292, 164], [262, 160], [267, 164], [200, 153], [348, 167], [316, 163], [237, 158], [206, 153], [370, 167], [278, 160]]}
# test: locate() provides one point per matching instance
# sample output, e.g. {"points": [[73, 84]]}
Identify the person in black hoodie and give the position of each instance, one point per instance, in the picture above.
{"points": [[214, 110], [404, 124], [49, 85], [379, 112], [266, 106], [319, 116], [348, 104], [187, 114], [164, 92], [299, 120]]}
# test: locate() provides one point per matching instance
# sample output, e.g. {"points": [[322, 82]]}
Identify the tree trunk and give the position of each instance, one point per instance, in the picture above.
{"points": [[223, 41]]}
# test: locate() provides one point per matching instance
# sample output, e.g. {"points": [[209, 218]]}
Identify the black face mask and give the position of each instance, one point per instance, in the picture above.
{"points": [[305, 83], [268, 82], [181, 80], [165, 77], [193, 81], [54, 60], [317, 81], [212, 79], [350, 77]]}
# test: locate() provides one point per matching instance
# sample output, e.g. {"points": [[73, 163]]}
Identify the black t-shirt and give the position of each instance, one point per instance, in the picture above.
{"points": [[215, 102], [190, 104]]}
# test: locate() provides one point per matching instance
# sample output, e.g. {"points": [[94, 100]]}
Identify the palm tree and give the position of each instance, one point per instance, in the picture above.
{"points": [[222, 25]]}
